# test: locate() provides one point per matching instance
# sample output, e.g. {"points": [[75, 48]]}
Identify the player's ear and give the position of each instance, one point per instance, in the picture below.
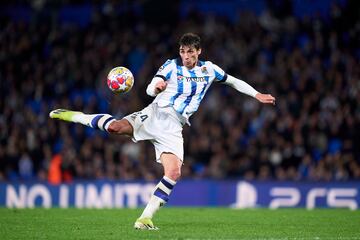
{"points": [[199, 51]]}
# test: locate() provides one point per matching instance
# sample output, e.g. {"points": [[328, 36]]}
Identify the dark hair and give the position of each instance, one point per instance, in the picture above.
{"points": [[190, 39]]}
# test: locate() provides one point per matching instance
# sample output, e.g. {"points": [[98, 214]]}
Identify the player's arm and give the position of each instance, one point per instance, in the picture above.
{"points": [[245, 88], [159, 82], [156, 86]]}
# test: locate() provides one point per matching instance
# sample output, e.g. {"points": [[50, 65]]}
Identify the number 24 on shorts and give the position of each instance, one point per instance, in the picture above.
{"points": [[143, 117]]}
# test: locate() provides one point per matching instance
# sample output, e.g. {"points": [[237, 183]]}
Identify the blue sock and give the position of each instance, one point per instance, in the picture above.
{"points": [[96, 121]]}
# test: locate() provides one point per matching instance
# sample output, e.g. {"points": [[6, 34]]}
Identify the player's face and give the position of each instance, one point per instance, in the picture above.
{"points": [[189, 56]]}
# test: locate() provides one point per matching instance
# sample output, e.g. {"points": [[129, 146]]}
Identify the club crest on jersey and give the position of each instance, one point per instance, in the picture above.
{"points": [[204, 70]]}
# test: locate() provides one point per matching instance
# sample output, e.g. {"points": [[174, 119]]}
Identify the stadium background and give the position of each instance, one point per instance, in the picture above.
{"points": [[56, 54]]}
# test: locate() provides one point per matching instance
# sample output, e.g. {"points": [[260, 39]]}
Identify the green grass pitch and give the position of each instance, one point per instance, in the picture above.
{"points": [[180, 223]]}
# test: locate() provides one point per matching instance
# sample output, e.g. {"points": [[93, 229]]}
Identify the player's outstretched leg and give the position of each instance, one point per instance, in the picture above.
{"points": [[97, 121], [104, 122]]}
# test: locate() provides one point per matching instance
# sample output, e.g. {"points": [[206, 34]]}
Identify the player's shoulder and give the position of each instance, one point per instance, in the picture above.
{"points": [[170, 60], [168, 63], [206, 62], [208, 65]]}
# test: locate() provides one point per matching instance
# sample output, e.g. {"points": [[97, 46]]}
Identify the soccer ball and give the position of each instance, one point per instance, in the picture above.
{"points": [[120, 80]]}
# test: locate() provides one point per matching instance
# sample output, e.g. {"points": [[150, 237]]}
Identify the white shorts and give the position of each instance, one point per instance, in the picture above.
{"points": [[160, 125]]}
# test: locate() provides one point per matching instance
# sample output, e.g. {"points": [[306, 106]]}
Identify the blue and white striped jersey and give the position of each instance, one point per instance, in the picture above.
{"points": [[186, 88]]}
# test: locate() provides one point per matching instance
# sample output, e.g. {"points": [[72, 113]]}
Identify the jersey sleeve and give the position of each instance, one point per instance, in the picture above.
{"points": [[220, 75], [165, 70]]}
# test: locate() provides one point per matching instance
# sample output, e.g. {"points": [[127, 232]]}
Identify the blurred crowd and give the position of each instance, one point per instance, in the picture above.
{"points": [[310, 64]]}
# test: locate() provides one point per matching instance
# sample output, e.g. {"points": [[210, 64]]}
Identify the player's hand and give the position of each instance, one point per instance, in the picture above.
{"points": [[160, 86], [265, 98]]}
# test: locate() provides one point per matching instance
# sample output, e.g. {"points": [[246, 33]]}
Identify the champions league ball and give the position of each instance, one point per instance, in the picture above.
{"points": [[120, 80]]}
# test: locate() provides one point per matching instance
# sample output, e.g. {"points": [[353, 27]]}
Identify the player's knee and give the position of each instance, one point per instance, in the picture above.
{"points": [[117, 127], [113, 127], [174, 174]]}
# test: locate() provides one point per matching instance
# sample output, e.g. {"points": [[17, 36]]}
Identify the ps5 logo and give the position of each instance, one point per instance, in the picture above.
{"points": [[285, 196], [335, 197]]}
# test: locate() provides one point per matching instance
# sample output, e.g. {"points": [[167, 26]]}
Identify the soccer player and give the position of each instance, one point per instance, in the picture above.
{"points": [[179, 86]]}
